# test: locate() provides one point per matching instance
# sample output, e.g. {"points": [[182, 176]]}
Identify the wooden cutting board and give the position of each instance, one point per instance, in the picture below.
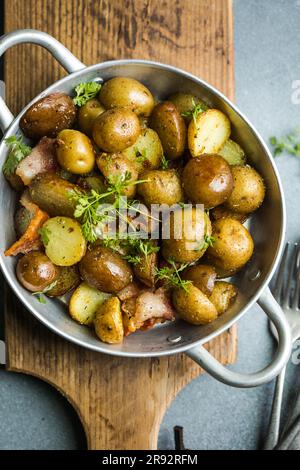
{"points": [[120, 401]]}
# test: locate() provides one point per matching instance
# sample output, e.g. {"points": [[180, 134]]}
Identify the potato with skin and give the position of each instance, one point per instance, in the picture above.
{"points": [[35, 271], [161, 187], [202, 276], [223, 296], [48, 116], [75, 152], [84, 303], [119, 92], [22, 219], [233, 153], [114, 166], [232, 248], [95, 182], [52, 194], [185, 104], [188, 228], [64, 242], [146, 153], [208, 132], [221, 212], [87, 115], [170, 127], [207, 180], [108, 321], [116, 129], [193, 306], [145, 269], [67, 279], [104, 269], [248, 191]]}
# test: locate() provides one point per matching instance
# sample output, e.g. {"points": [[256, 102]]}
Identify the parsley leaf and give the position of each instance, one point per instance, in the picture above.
{"points": [[17, 152], [85, 92], [171, 275], [289, 144]]}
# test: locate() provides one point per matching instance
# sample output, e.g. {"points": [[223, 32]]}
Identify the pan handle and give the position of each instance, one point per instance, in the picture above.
{"points": [[69, 62], [236, 379]]}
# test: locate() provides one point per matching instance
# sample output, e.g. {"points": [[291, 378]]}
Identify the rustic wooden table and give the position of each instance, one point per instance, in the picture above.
{"points": [[120, 401]]}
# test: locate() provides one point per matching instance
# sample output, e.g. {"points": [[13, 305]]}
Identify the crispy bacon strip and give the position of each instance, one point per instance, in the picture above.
{"points": [[30, 240], [42, 159]]}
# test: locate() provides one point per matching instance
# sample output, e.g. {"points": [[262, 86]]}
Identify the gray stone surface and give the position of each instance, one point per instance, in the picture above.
{"points": [[34, 416]]}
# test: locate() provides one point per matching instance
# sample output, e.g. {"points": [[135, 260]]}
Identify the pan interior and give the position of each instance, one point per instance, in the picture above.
{"points": [[266, 225]]}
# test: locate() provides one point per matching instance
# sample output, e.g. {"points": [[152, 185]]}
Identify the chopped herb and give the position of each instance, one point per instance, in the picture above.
{"points": [[289, 144], [164, 163], [44, 234], [85, 92], [208, 241], [171, 275], [198, 108], [40, 295], [17, 152]]}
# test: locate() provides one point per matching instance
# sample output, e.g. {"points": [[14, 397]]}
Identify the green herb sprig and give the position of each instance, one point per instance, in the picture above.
{"points": [[164, 163], [198, 108], [171, 275], [85, 92], [289, 144], [17, 152]]}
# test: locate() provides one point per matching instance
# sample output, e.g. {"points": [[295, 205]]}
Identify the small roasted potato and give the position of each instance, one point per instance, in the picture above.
{"points": [[160, 187], [248, 191], [221, 212], [125, 92], [186, 103], [116, 129], [48, 116], [87, 115], [223, 296], [170, 127], [104, 269], [75, 152], [193, 306], [184, 235], [116, 165], [202, 276], [84, 303], [64, 242], [207, 180], [22, 219], [15, 181], [145, 269], [52, 194], [35, 271], [67, 279], [95, 182], [208, 132], [108, 321], [233, 153], [146, 153], [232, 247]]}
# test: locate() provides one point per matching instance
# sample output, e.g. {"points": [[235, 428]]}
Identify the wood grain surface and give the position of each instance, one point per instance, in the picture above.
{"points": [[120, 401]]}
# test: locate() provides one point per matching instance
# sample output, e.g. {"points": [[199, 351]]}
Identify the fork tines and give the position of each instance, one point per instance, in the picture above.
{"points": [[287, 285]]}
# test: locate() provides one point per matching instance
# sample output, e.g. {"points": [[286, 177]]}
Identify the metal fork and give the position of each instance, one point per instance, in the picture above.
{"points": [[287, 295]]}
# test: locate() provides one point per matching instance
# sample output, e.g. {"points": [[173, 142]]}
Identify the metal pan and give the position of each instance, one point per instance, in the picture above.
{"points": [[267, 225]]}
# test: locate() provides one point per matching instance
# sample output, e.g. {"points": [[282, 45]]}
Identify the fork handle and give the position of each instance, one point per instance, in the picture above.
{"points": [[274, 423]]}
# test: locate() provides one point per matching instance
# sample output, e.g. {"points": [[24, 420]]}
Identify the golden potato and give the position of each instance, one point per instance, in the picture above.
{"points": [[208, 132], [193, 306], [125, 92], [186, 103], [108, 321], [48, 116], [35, 271], [75, 152], [104, 269], [116, 129], [145, 269], [170, 127], [248, 191], [221, 212], [87, 115], [146, 153], [233, 153], [114, 166], [207, 180], [67, 279], [223, 296], [202, 276], [232, 248], [184, 235], [161, 187], [84, 303]]}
